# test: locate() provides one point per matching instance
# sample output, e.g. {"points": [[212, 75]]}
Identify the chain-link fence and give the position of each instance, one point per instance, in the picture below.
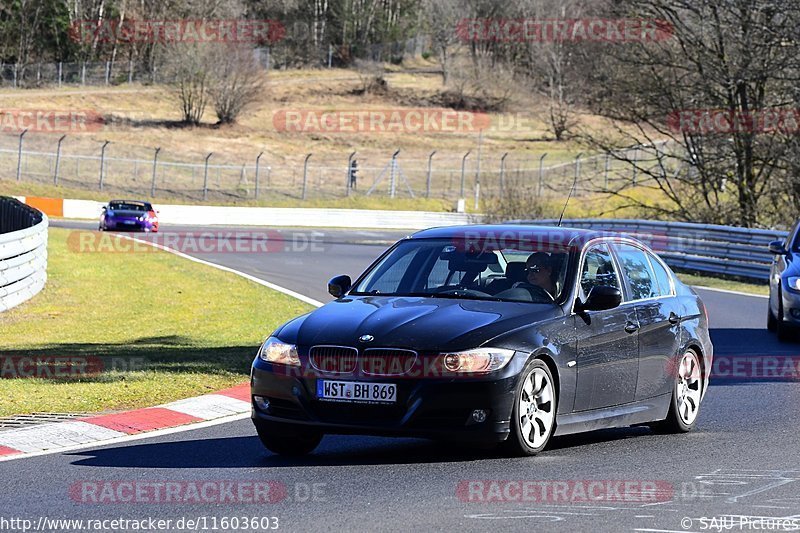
{"points": [[84, 163]]}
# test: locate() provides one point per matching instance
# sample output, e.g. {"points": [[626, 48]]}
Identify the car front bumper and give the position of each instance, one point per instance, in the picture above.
{"points": [[791, 306], [427, 408]]}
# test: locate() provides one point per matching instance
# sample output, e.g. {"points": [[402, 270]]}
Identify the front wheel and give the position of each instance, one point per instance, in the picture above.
{"points": [[285, 439], [533, 417], [685, 403]]}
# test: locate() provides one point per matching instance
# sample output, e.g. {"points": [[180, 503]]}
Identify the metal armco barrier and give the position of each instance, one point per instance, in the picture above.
{"points": [[23, 252], [702, 247]]}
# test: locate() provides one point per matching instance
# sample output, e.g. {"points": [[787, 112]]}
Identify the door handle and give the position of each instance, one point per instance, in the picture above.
{"points": [[630, 327], [673, 318]]}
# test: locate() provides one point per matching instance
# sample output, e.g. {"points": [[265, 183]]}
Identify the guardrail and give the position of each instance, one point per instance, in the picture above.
{"points": [[707, 248], [23, 252]]}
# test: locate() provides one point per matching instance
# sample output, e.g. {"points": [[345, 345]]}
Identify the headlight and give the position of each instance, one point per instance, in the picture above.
{"points": [[793, 282], [275, 351], [477, 361]]}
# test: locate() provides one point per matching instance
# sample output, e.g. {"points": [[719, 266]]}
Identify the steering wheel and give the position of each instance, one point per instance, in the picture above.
{"points": [[537, 293]]}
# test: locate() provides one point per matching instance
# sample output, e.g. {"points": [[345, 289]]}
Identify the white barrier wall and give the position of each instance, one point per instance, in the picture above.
{"points": [[275, 216]]}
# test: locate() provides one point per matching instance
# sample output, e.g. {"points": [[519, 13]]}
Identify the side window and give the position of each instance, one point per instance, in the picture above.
{"points": [[637, 268], [663, 277], [598, 269]]}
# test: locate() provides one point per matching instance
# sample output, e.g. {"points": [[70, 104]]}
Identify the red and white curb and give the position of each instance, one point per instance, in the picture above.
{"points": [[55, 436]]}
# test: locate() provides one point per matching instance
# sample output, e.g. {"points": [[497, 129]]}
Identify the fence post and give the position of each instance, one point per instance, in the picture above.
{"points": [[83, 73], [205, 177], [19, 154], [393, 176], [258, 160], [463, 167], [103, 163], [478, 170], [541, 173], [305, 175], [58, 159], [428, 179], [155, 172], [503, 173]]}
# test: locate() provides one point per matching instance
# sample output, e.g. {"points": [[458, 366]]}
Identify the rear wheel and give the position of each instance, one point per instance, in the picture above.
{"points": [[286, 439], [685, 403], [534, 414]]}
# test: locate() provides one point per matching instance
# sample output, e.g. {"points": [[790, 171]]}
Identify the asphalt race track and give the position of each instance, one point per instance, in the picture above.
{"points": [[739, 466]]}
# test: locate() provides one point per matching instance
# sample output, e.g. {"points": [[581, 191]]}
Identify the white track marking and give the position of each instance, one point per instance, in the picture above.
{"points": [[209, 406], [129, 438]]}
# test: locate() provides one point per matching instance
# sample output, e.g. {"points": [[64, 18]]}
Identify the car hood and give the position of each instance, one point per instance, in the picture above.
{"points": [[422, 324]]}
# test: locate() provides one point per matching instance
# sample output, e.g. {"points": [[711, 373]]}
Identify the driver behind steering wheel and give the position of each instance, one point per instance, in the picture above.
{"points": [[539, 273]]}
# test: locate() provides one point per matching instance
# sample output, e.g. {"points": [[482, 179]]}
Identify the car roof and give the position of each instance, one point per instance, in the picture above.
{"points": [[522, 232], [139, 202]]}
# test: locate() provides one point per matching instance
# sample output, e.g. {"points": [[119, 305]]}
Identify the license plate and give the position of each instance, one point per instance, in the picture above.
{"points": [[353, 391], [128, 222]]}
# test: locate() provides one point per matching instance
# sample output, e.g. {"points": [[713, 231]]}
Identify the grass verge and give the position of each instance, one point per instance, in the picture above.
{"points": [[698, 280], [164, 328]]}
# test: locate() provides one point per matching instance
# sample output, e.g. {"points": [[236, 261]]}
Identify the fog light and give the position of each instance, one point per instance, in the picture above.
{"points": [[452, 362], [479, 415], [261, 402], [795, 313]]}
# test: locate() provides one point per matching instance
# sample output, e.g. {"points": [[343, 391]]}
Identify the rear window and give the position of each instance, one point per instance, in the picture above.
{"points": [[128, 206]]}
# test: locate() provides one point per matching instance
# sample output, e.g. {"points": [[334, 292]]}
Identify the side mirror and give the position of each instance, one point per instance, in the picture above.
{"points": [[776, 248], [338, 286], [601, 298]]}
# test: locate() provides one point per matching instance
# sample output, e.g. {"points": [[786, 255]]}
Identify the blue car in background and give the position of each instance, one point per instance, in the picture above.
{"points": [[129, 215]]}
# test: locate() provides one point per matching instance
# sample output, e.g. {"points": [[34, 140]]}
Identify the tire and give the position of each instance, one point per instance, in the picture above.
{"points": [[786, 332], [684, 406], [772, 322], [285, 439], [533, 417]]}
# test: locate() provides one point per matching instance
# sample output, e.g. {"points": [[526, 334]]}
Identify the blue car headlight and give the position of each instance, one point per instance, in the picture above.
{"points": [[275, 351], [793, 282]]}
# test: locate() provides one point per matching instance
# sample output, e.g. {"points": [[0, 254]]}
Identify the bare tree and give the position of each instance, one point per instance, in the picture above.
{"points": [[738, 58], [189, 66], [443, 19], [236, 81]]}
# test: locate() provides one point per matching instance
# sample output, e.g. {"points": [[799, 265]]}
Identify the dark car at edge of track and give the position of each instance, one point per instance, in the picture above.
{"points": [[783, 311], [128, 215], [495, 334]]}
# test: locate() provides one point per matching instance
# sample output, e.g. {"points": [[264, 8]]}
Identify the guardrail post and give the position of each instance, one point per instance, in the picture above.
{"points": [[155, 172], [463, 167], [103, 163], [58, 159], [19, 154], [428, 178], [393, 175], [541, 174], [205, 177], [258, 160], [348, 179], [305, 175], [503, 173]]}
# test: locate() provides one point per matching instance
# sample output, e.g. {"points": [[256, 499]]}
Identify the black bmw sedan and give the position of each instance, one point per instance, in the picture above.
{"points": [[489, 334]]}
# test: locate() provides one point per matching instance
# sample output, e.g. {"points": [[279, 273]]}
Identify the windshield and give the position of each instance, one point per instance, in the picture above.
{"points": [[127, 206], [444, 268]]}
